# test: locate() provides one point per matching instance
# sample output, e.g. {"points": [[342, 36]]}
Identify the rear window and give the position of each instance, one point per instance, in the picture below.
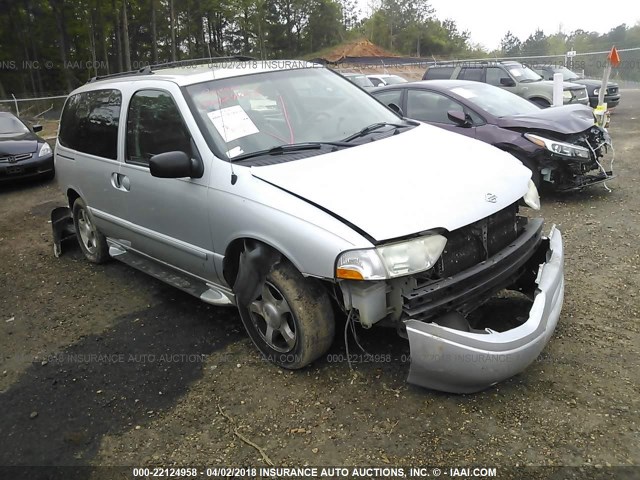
{"points": [[89, 123], [438, 73]]}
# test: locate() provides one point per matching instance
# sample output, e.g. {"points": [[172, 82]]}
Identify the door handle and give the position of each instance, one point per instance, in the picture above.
{"points": [[120, 182]]}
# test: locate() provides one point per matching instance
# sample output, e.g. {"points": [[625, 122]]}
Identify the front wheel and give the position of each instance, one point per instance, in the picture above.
{"points": [[92, 242], [291, 322]]}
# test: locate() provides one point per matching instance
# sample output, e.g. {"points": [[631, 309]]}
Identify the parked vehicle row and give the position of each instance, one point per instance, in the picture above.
{"points": [[612, 95], [511, 76], [562, 146], [291, 193]]}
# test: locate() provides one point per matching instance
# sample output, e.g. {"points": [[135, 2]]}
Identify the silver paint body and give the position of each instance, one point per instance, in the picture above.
{"points": [[389, 188]]}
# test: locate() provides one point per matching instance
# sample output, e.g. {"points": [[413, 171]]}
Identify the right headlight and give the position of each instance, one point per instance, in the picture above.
{"points": [[596, 91], [558, 147], [392, 260]]}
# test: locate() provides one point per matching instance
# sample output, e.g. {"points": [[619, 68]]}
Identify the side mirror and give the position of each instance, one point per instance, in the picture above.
{"points": [[507, 82], [36, 128], [174, 165], [459, 118], [396, 109]]}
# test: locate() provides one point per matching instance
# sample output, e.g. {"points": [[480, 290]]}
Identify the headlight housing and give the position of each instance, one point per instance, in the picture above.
{"points": [[44, 150], [391, 260], [560, 148]]}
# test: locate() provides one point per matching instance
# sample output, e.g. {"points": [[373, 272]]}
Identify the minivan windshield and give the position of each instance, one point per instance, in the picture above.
{"points": [[257, 112]]}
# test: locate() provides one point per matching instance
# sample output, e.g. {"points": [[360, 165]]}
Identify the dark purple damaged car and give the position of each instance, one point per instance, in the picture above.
{"points": [[562, 146]]}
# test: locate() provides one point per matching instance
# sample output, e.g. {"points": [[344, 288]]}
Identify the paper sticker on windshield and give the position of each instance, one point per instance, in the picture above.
{"points": [[464, 93], [515, 72], [232, 123], [234, 152]]}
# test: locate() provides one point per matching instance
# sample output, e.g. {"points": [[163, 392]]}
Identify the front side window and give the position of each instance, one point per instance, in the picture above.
{"points": [[428, 106], [154, 125], [494, 74], [251, 113], [89, 123]]}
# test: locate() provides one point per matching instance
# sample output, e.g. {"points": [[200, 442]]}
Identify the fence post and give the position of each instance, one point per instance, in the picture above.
{"points": [[16, 102]]}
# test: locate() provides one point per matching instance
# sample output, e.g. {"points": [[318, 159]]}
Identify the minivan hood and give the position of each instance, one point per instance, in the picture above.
{"points": [[419, 180], [566, 119]]}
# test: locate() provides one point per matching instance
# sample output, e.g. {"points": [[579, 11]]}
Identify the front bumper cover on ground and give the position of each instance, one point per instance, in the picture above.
{"points": [[464, 362]]}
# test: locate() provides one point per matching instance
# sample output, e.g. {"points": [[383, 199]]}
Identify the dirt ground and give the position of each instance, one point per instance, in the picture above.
{"points": [[102, 365]]}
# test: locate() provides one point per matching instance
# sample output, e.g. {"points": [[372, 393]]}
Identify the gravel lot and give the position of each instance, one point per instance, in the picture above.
{"points": [[102, 365]]}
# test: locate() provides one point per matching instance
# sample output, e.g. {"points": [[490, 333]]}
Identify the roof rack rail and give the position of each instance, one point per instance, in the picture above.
{"points": [[148, 69], [197, 61], [142, 71]]}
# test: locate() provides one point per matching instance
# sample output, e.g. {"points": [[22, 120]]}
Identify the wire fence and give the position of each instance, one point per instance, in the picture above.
{"points": [[588, 64]]}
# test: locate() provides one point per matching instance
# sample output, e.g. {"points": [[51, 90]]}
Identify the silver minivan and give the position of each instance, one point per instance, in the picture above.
{"points": [[283, 189]]}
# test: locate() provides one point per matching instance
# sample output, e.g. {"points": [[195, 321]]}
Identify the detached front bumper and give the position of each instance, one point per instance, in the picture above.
{"points": [[458, 361]]}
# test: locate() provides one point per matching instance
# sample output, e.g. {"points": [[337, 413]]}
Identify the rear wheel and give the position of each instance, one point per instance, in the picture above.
{"points": [[92, 243], [291, 322]]}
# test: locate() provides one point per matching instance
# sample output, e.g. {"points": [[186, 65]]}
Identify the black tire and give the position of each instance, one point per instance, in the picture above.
{"points": [[301, 329], [541, 102], [92, 243]]}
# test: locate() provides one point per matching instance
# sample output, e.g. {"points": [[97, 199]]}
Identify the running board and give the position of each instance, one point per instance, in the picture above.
{"points": [[206, 292]]}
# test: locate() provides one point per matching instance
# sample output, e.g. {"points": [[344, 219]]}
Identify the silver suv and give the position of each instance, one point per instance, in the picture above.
{"points": [[285, 190]]}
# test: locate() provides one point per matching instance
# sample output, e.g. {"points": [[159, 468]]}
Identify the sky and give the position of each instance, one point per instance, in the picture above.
{"points": [[489, 20]]}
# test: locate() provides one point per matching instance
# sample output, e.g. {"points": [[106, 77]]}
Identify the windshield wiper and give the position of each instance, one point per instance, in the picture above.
{"points": [[290, 148], [371, 128]]}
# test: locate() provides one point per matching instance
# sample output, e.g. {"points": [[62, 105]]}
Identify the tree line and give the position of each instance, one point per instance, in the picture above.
{"points": [[52, 46]]}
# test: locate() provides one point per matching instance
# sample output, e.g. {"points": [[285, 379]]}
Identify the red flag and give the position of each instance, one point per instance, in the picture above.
{"points": [[613, 57]]}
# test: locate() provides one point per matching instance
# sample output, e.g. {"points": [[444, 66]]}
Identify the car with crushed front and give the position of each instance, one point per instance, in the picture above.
{"points": [[23, 154], [286, 191], [562, 146]]}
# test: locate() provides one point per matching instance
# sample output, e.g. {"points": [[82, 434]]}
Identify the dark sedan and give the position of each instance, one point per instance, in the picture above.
{"points": [[23, 154], [611, 97], [562, 146]]}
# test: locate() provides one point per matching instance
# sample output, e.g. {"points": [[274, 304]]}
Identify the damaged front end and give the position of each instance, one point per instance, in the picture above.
{"points": [[455, 348], [575, 161]]}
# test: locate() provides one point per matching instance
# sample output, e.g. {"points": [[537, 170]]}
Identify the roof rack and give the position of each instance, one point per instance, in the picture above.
{"points": [[143, 71], [148, 69], [206, 60]]}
